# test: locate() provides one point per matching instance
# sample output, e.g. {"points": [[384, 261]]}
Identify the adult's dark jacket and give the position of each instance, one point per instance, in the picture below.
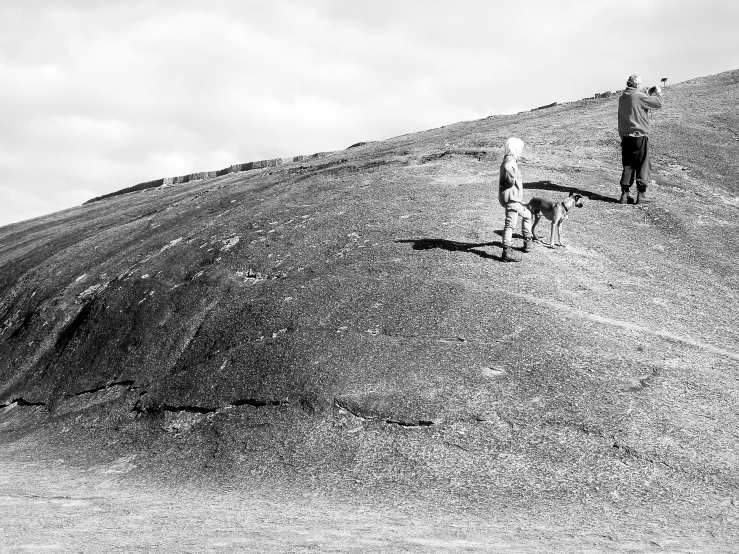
{"points": [[633, 112]]}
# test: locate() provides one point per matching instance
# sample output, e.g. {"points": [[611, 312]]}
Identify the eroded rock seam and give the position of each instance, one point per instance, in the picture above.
{"points": [[255, 402], [401, 422], [22, 402]]}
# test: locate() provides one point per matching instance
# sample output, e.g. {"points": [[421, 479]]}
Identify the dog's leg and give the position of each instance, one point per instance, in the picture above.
{"points": [[537, 217], [559, 232], [560, 227], [551, 234]]}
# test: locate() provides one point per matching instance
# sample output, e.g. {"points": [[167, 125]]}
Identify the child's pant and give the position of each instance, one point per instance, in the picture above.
{"points": [[512, 211]]}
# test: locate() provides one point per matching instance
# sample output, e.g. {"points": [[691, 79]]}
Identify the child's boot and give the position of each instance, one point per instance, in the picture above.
{"points": [[641, 197], [509, 255]]}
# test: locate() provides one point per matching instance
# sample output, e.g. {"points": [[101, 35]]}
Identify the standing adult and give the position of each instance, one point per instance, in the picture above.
{"points": [[634, 126], [510, 196]]}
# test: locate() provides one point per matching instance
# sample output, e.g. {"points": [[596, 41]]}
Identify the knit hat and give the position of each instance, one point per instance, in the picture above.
{"points": [[513, 147]]}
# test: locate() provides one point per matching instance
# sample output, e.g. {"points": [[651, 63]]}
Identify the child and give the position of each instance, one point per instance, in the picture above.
{"points": [[510, 196]]}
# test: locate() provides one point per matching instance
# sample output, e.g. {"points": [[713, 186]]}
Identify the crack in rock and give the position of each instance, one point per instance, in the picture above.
{"points": [[255, 402], [416, 423], [634, 453], [22, 402], [620, 447], [391, 421], [478, 153], [624, 324], [455, 339], [454, 444]]}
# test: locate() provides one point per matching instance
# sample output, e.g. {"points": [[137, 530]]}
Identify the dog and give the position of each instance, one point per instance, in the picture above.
{"points": [[556, 212]]}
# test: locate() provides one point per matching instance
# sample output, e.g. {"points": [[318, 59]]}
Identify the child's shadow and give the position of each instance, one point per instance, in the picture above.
{"points": [[455, 246]]}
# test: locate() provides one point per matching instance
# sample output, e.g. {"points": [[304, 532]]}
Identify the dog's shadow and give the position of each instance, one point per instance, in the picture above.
{"points": [[475, 247], [548, 185], [455, 246]]}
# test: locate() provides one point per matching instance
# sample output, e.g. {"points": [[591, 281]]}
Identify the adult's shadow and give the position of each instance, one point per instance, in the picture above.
{"points": [[453, 246], [548, 185]]}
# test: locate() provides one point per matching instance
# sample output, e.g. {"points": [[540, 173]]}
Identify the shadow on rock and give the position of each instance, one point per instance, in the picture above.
{"points": [[453, 246], [548, 185]]}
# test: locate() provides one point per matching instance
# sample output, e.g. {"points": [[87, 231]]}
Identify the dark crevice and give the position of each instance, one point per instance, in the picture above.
{"points": [[478, 153], [69, 331], [144, 409], [22, 402], [103, 387], [414, 423], [255, 402], [342, 406], [188, 409], [258, 403], [20, 328], [620, 447], [630, 451], [194, 335], [454, 444], [401, 422], [634, 453]]}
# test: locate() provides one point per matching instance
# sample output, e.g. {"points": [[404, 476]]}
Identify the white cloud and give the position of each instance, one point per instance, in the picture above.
{"points": [[19, 205], [97, 96], [73, 197]]}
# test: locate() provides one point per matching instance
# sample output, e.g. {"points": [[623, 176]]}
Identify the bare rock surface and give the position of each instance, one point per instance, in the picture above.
{"points": [[342, 327]]}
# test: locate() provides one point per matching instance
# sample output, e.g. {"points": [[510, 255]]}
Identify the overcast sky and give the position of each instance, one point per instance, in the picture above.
{"points": [[98, 95]]}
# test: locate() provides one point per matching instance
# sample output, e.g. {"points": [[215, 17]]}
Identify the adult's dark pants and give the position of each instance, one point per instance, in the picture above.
{"points": [[635, 159]]}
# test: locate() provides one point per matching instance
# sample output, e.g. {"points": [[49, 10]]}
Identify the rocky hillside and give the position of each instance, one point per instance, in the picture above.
{"points": [[347, 319]]}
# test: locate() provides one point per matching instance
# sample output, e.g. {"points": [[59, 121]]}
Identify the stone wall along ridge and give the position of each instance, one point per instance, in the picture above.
{"points": [[201, 175]]}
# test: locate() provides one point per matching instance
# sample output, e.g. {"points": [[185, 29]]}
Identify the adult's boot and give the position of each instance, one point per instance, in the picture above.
{"points": [[526, 246], [624, 196]]}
